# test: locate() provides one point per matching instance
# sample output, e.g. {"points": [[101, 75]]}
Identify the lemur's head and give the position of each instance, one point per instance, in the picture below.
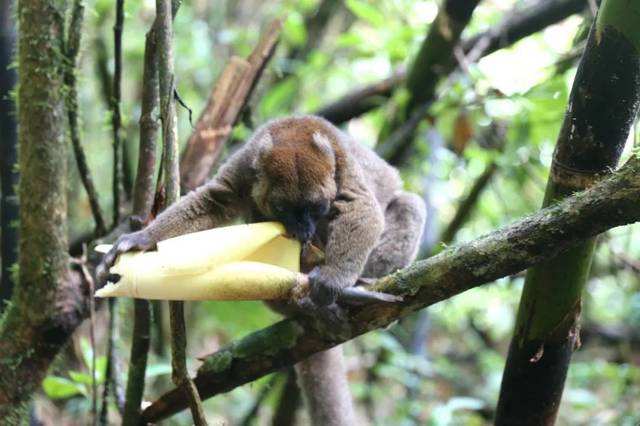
{"points": [[295, 169]]}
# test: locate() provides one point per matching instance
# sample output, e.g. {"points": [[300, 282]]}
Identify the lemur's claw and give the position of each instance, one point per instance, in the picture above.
{"points": [[361, 296]]}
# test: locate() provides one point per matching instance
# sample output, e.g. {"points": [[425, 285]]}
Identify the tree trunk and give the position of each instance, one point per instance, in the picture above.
{"points": [[602, 107], [37, 323]]}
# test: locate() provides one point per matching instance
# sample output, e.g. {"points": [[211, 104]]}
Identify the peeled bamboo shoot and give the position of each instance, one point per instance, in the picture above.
{"points": [[241, 262]]}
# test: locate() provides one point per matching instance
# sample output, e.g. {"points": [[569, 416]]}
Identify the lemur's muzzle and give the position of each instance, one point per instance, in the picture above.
{"points": [[300, 226]]}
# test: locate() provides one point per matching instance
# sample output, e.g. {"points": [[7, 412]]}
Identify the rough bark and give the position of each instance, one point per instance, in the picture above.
{"points": [[602, 108], [612, 202], [517, 25], [45, 306], [8, 156]]}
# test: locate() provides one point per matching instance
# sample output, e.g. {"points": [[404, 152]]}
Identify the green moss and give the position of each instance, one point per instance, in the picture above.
{"points": [[218, 362], [269, 341]]}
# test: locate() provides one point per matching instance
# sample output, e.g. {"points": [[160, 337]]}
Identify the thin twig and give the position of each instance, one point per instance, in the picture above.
{"points": [[172, 189], [182, 103], [81, 263], [72, 48], [108, 374], [116, 124], [92, 338], [116, 120]]}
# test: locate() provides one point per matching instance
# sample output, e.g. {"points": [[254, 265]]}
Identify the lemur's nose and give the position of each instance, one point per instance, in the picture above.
{"points": [[303, 234], [302, 228]]}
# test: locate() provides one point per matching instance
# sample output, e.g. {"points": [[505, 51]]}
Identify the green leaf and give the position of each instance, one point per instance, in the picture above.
{"points": [[101, 368], [79, 377], [294, 30], [278, 97], [61, 388], [367, 12], [349, 39]]}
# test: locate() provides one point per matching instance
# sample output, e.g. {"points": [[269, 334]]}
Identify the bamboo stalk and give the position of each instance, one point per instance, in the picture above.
{"points": [[602, 107]]}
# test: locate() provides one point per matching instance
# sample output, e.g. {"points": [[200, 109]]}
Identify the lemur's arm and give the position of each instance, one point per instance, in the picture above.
{"points": [[354, 229], [222, 199]]}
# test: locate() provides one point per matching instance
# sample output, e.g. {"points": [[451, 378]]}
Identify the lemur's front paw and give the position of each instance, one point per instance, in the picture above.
{"points": [[136, 241], [323, 290]]}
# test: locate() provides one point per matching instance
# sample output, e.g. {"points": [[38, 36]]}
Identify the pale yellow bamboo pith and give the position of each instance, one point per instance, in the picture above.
{"points": [[241, 262]]}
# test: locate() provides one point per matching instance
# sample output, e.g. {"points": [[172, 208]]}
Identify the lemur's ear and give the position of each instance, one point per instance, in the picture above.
{"points": [[323, 144], [264, 145]]}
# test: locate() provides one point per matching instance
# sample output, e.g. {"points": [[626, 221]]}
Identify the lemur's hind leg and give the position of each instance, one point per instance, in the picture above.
{"points": [[323, 376], [399, 243]]}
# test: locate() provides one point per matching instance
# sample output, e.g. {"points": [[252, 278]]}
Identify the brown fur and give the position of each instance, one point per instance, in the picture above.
{"points": [[290, 166]]}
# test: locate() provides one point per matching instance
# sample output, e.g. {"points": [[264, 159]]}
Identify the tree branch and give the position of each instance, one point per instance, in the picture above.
{"points": [[72, 48], [116, 120], [434, 60], [362, 100], [613, 202]]}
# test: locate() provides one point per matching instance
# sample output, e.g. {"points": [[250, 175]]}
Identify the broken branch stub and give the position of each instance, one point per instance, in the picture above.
{"points": [[226, 102]]}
